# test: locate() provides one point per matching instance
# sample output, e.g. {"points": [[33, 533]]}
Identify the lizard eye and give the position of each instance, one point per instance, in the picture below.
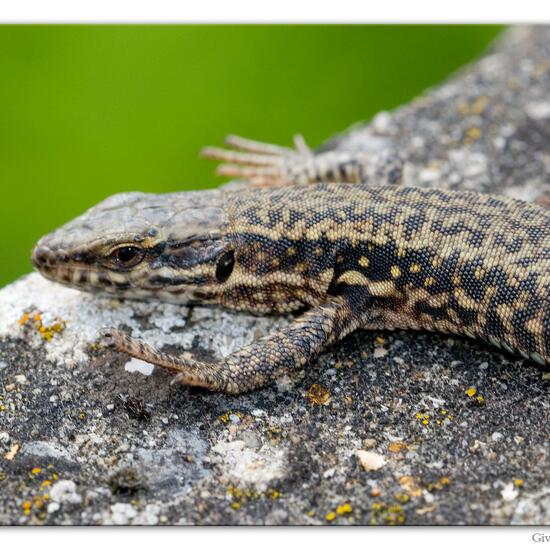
{"points": [[225, 266], [128, 256]]}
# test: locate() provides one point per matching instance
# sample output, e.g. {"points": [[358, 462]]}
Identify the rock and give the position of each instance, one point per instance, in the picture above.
{"points": [[144, 452], [45, 452]]}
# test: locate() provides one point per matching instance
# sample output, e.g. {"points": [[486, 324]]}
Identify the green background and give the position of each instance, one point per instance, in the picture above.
{"points": [[87, 111]]}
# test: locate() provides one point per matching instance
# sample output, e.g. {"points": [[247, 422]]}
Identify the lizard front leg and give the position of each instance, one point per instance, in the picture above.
{"points": [[264, 164], [254, 365]]}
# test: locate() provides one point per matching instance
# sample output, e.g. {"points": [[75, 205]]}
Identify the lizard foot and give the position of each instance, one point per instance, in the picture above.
{"points": [[265, 165], [189, 370], [262, 164]]}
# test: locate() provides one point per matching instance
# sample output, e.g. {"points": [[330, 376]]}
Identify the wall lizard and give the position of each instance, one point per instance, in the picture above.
{"points": [[328, 235]]}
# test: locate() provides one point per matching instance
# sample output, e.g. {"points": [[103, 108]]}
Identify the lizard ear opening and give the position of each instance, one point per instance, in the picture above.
{"points": [[225, 266]]}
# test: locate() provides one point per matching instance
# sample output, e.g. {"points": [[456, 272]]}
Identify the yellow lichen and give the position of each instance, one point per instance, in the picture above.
{"points": [[331, 516], [411, 485], [397, 446], [518, 482], [226, 416], [389, 515], [473, 133], [318, 395], [273, 494], [344, 509], [47, 332], [470, 392]]}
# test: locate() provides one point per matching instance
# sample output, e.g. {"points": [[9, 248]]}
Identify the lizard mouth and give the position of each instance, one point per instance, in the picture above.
{"points": [[53, 265]]}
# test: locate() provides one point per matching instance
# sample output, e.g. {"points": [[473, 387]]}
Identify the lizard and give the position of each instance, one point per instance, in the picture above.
{"points": [[326, 235]]}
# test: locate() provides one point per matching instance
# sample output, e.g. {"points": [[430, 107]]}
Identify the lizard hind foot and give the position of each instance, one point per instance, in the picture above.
{"points": [[262, 164]]}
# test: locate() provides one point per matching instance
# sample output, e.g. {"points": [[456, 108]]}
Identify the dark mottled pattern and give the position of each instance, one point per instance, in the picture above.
{"points": [[454, 262]]}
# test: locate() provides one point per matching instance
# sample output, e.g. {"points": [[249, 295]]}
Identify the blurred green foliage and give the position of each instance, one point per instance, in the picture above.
{"points": [[87, 111]]}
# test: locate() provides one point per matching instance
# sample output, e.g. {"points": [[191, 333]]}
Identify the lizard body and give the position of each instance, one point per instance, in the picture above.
{"points": [[346, 255]]}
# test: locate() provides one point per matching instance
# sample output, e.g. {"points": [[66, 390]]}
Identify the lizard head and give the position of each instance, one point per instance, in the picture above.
{"points": [[170, 247]]}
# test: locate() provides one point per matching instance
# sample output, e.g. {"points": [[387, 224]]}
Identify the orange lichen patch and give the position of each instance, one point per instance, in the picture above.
{"points": [[397, 447], [411, 485], [318, 395], [24, 318], [26, 505], [46, 331]]}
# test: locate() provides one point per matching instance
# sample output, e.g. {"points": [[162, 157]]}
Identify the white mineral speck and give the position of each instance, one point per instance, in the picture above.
{"points": [[370, 461], [122, 513], [137, 365], [65, 491], [509, 492], [538, 110], [53, 507], [21, 379]]}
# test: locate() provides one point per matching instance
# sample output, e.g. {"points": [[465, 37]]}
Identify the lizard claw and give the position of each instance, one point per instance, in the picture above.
{"points": [[177, 379]]}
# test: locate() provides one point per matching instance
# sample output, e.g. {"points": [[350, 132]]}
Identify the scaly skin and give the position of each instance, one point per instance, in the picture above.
{"points": [[351, 255]]}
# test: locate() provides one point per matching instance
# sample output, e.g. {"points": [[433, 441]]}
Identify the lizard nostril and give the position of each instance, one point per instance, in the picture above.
{"points": [[42, 256]]}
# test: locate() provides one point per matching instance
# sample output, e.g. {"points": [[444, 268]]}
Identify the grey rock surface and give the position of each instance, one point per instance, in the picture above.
{"points": [[385, 428]]}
